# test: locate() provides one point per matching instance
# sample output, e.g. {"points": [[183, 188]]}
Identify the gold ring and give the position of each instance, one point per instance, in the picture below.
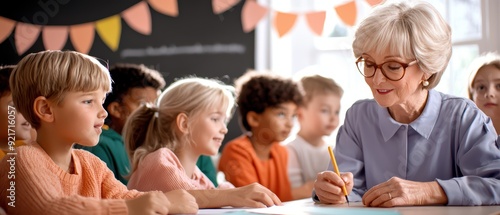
{"points": [[390, 197]]}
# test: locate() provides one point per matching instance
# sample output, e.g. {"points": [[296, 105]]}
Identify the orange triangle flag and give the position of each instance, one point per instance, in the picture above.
{"points": [[316, 21], [374, 2], [167, 7], [220, 6], [251, 14], [54, 37], [138, 18], [283, 22], [7, 26], [82, 36], [347, 13], [25, 36]]}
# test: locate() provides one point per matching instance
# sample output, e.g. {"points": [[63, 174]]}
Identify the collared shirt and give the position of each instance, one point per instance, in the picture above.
{"points": [[451, 142]]}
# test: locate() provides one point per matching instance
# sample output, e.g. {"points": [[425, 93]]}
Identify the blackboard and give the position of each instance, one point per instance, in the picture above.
{"points": [[196, 42]]}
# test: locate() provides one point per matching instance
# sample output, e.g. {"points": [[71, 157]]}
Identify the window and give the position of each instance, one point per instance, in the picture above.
{"points": [[474, 30]]}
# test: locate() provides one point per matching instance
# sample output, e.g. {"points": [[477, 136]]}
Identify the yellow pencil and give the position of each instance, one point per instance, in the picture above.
{"points": [[336, 168]]}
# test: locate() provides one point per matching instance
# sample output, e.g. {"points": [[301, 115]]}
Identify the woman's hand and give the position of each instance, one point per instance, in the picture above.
{"points": [[328, 187], [400, 192]]}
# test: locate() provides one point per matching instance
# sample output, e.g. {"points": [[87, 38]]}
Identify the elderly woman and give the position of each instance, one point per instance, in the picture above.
{"points": [[411, 145], [484, 86]]}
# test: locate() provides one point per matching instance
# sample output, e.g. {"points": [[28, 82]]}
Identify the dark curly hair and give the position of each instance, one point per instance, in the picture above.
{"points": [[258, 91], [5, 72], [128, 76]]}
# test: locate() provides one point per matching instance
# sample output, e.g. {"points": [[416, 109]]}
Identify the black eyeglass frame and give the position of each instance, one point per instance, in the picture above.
{"points": [[379, 66]]}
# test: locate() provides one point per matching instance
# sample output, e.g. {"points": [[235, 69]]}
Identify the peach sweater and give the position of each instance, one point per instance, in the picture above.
{"points": [[41, 187]]}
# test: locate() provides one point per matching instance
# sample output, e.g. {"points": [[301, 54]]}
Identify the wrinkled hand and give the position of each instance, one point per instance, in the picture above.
{"points": [[252, 195], [400, 192], [181, 202], [149, 203], [328, 186]]}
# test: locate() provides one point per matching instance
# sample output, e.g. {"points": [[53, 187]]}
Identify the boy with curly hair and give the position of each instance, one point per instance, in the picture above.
{"points": [[267, 106]]}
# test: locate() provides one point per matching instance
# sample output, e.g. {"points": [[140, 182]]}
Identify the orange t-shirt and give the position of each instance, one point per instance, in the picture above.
{"points": [[241, 166], [17, 143]]}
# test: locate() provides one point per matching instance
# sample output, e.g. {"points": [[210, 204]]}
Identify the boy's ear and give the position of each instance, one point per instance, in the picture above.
{"points": [[182, 123], [43, 109], [253, 119], [114, 110]]}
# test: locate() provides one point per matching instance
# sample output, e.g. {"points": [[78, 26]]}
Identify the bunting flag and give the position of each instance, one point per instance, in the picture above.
{"points": [[251, 14], [347, 13], [82, 37], [167, 7], [220, 6], [54, 37], [316, 21], [25, 35], [7, 26], [374, 2], [283, 22], [138, 17]]}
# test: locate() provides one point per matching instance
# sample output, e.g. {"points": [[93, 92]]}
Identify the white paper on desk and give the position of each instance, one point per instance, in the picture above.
{"points": [[219, 210], [278, 210]]}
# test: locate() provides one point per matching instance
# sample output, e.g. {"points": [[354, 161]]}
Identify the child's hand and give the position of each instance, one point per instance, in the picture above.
{"points": [[181, 202], [225, 185], [253, 195], [149, 203]]}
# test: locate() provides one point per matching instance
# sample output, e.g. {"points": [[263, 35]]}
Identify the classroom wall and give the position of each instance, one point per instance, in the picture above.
{"points": [[196, 42]]}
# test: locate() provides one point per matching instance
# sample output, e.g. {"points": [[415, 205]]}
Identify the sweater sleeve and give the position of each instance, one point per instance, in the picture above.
{"points": [[236, 163], [38, 191]]}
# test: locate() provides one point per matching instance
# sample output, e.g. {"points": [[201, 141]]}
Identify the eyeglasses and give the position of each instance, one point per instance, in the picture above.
{"points": [[392, 70]]}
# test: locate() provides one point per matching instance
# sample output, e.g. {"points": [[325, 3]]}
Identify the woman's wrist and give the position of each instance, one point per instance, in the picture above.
{"points": [[435, 194]]}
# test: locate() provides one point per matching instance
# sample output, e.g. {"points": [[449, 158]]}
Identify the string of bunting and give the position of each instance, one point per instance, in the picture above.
{"points": [[138, 17]]}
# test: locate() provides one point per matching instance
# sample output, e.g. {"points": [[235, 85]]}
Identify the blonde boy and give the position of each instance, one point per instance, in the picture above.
{"points": [[318, 117], [60, 93]]}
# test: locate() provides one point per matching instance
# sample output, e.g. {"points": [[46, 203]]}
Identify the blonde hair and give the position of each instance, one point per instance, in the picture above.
{"points": [[52, 74], [313, 85], [150, 128], [412, 30], [487, 59]]}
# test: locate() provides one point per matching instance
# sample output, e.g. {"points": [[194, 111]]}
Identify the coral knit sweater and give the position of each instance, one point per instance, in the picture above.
{"points": [[240, 164], [41, 187]]}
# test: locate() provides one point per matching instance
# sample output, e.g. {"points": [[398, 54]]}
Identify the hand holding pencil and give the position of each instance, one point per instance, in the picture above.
{"points": [[332, 187]]}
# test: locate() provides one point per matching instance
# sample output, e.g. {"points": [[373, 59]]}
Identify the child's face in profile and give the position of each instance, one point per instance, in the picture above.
{"points": [[208, 130], [9, 115], [486, 90], [320, 116], [79, 117], [275, 124]]}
